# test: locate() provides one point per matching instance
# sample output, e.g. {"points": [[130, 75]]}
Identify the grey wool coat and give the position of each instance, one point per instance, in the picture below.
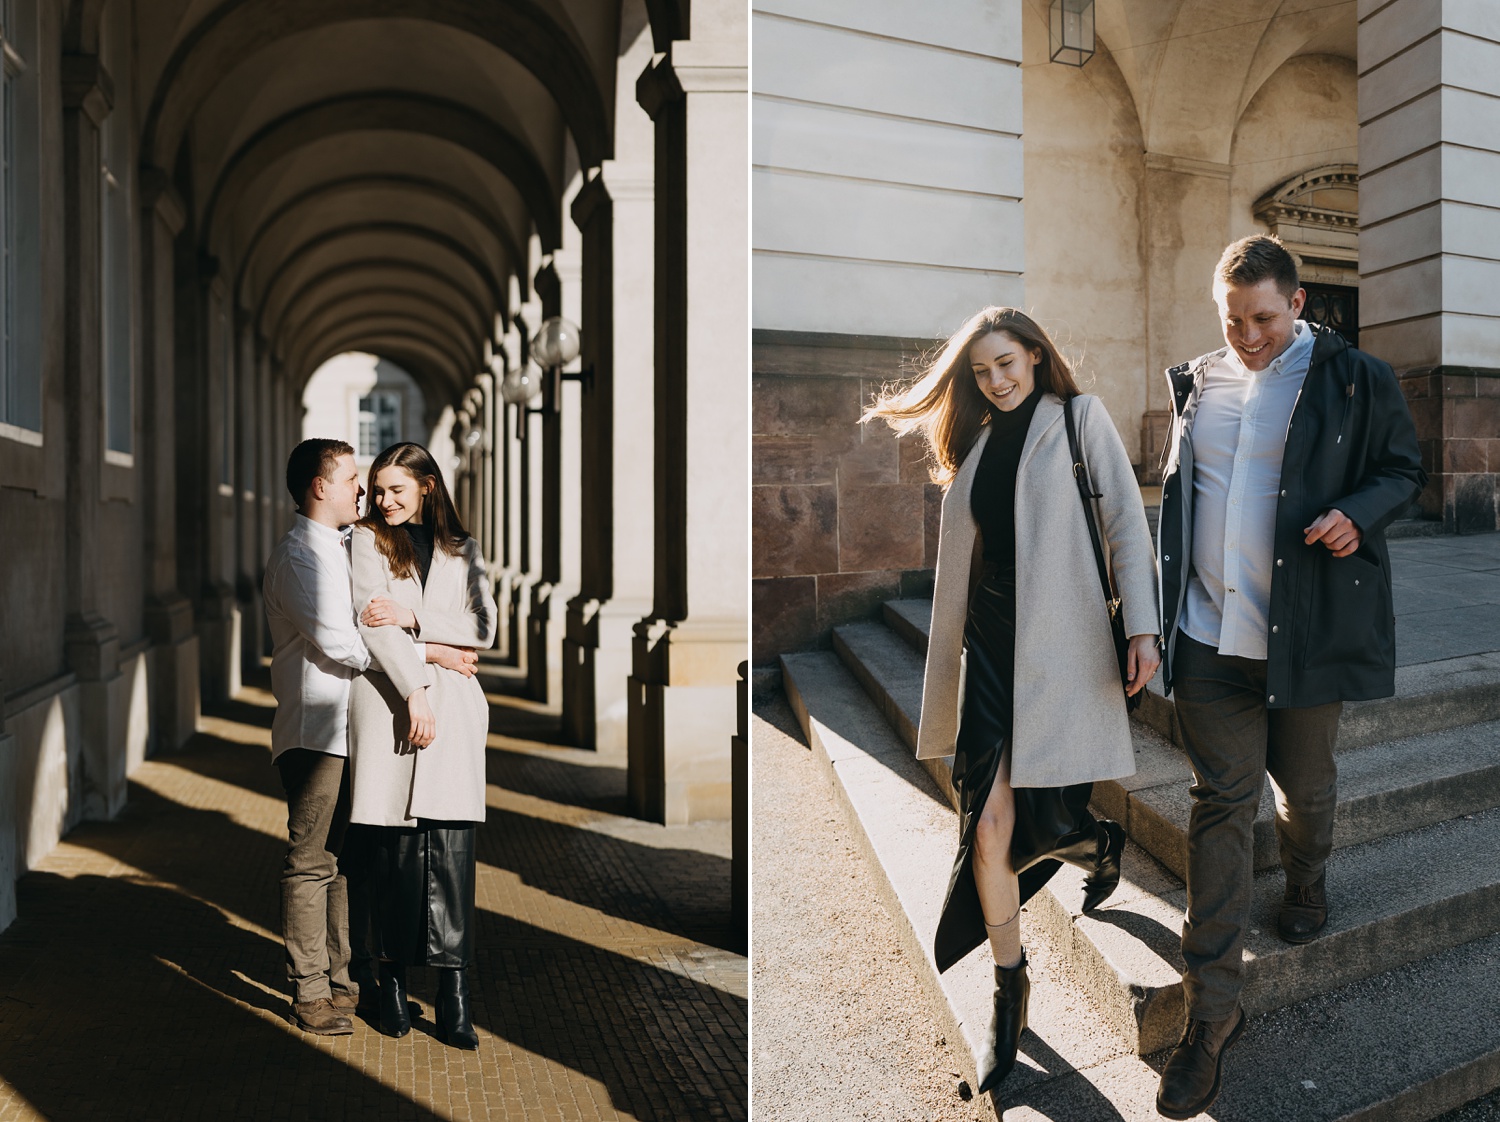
{"points": [[1070, 723], [390, 782]]}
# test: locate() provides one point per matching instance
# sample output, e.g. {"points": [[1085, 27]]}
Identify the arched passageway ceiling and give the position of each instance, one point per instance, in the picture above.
{"points": [[372, 204], [298, 134], [361, 273], [575, 66], [404, 296], [391, 240], [341, 328], [410, 192], [393, 307], [1193, 65]]}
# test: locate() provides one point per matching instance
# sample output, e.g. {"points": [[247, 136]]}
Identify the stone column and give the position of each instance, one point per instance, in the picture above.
{"points": [[168, 613], [250, 427], [682, 695], [544, 473], [91, 641], [1429, 242], [9, 779], [614, 212]]}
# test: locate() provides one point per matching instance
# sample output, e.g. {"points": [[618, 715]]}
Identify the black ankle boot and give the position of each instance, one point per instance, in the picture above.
{"points": [[1099, 885], [395, 1020], [1012, 994], [452, 1016]]}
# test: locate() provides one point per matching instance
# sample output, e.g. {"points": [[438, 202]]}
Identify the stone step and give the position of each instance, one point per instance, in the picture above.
{"points": [[1430, 696], [1331, 1055], [1384, 788]]}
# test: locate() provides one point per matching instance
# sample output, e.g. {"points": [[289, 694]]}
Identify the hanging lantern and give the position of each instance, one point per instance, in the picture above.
{"points": [[1071, 37]]}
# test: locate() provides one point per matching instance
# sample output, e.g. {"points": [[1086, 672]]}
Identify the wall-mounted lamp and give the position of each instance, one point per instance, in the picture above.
{"points": [[474, 437], [556, 343], [521, 385], [1071, 34]]}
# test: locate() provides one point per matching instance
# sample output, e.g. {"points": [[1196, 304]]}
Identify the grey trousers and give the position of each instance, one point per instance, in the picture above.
{"points": [[314, 896], [1233, 741]]}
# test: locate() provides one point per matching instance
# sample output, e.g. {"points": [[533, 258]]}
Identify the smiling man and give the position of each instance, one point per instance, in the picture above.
{"points": [[1290, 453]]}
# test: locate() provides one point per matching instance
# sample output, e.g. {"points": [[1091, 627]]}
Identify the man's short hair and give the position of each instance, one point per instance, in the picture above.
{"points": [[1251, 260], [312, 459]]}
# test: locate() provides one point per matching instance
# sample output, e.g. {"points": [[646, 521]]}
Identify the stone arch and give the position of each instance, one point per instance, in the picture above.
{"points": [[390, 111], [545, 46], [475, 332], [410, 324], [447, 379], [338, 313]]}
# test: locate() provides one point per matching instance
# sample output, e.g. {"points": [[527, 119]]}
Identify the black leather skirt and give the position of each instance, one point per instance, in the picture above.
{"points": [[1053, 824], [422, 883]]}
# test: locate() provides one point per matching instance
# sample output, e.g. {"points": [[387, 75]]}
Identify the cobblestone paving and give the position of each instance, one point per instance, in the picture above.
{"points": [[145, 977]]}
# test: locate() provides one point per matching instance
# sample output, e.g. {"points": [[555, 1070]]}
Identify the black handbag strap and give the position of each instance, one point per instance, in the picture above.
{"points": [[1087, 493]]}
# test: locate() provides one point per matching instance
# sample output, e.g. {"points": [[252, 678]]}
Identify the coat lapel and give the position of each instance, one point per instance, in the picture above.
{"points": [[1049, 412]]}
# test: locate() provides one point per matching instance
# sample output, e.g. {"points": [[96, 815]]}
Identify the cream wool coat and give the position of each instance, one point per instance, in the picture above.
{"points": [[390, 782], [1070, 723]]}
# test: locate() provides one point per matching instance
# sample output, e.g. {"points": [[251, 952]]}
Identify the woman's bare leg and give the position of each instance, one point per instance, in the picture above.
{"points": [[999, 894]]}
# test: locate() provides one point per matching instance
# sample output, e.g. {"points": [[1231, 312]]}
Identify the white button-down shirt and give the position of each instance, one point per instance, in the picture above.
{"points": [[1239, 436], [316, 645]]}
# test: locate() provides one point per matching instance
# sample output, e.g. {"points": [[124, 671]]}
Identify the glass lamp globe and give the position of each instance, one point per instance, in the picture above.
{"points": [[520, 385], [556, 342]]}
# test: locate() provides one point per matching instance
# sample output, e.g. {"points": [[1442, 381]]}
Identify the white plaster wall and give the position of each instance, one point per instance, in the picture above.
{"points": [[1085, 282], [1306, 115], [887, 164], [330, 401]]}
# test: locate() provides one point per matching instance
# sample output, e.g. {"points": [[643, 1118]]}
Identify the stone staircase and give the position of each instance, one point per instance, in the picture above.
{"points": [[1414, 883]]}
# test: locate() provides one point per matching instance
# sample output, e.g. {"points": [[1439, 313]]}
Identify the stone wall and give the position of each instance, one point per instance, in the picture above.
{"points": [[844, 515], [1457, 414]]}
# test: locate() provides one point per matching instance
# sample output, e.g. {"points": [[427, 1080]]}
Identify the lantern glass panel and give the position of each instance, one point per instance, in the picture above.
{"points": [[1071, 34]]}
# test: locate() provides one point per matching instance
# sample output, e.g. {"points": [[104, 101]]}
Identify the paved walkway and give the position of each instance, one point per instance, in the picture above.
{"points": [[145, 976]]}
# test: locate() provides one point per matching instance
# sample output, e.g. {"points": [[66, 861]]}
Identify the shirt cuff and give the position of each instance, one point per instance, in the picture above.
{"points": [[421, 653]]}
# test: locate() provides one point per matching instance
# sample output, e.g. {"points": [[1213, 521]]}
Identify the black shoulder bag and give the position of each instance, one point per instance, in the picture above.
{"points": [[1116, 621]]}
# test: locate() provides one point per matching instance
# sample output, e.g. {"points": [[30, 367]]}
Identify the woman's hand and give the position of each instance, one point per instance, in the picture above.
{"points": [[462, 660], [385, 612], [423, 723], [1141, 661]]}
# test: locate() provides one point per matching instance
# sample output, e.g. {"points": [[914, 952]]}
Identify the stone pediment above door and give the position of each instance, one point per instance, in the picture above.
{"points": [[1316, 214]]}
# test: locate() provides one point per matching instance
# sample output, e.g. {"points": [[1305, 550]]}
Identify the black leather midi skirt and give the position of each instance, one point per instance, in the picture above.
{"points": [[422, 893], [1053, 824]]}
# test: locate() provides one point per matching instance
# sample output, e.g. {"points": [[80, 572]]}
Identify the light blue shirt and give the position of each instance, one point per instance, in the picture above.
{"points": [[1239, 435]]}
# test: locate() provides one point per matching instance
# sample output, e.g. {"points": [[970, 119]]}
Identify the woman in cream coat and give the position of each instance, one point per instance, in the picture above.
{"points": [[418, 574], [1022, 683]]}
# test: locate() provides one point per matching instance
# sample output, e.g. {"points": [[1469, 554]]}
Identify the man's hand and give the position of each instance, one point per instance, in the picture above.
{"points": [[423, 723], [1141, 660], [384, 612], [460, 659], [1335, 530]]}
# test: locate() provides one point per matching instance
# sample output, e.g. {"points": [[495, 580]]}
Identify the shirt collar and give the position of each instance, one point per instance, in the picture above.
{"points": [[317, 532], [1297, 355]]}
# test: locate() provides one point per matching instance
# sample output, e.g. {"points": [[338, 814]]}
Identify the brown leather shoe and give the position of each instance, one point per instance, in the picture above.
{"points": [[1190, 1079], [1304, 911], [321, 1017], [345, 1003]]}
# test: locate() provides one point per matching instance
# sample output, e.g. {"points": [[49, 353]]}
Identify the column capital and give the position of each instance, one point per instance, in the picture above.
{"points": [[658, 87], [160, 197], [590, 198], [87, 86]]}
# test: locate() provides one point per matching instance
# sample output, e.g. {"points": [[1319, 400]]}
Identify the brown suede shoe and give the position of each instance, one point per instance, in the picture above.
{"points": [[345, 1003], [321, 1017], [1190, 1079], [1304, 911]]}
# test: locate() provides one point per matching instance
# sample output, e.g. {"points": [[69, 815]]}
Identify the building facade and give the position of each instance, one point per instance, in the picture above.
{"points": [[913, 166], [200, 203]]}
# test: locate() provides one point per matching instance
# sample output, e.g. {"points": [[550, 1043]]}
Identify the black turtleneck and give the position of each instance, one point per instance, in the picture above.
{"points": [[421, 541], [993, 497]]}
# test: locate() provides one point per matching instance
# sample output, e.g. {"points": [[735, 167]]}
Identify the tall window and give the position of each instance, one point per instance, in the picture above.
{"points": [[114, 240], [379, 421], [20, 390]]}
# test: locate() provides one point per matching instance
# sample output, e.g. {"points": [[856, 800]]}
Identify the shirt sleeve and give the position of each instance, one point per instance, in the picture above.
{"points": [[319, 606]]}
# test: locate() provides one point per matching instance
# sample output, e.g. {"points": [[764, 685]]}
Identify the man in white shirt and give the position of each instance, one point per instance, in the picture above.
{"points": [[1290, 453], [317, 650]]}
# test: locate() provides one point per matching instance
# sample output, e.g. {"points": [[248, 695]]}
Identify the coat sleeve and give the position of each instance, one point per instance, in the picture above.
{"points": [[1122, 521], [472, 626], [394, 652], [1393, 474]]}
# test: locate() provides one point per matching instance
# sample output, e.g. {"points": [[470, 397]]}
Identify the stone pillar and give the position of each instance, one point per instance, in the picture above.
{"points": [[1429, 241], [91, 641], [739, 885], [1186, 226], [614, 212], [250, 427], [544, 473], [682, 695], [168, 613], [9, 781]]}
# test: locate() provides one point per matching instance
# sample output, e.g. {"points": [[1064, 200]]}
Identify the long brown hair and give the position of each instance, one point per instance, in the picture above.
{"points": [[944, 403], [438, 513]]}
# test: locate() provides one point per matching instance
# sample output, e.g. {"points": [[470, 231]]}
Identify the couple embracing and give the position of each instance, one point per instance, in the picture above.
{"points": [[374, 623], [1289, 454]]}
